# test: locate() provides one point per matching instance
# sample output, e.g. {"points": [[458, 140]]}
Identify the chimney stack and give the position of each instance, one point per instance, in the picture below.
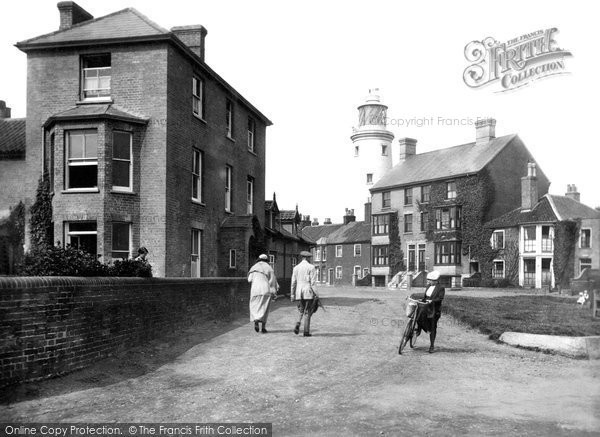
{"points": [[368, 212], [408, 147], [529, 188], [327, 221], [349, 217], [315, 222], [192, 36], [572, 192], [485, 130], [71, 14], [4, 111]]}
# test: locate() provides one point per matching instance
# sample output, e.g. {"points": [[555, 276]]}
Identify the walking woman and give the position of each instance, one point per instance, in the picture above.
{"points": [[264, 288], [428, 319]]}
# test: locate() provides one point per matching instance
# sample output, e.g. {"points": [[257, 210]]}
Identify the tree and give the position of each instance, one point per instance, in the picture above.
{"points": [[511, 261], [396, 254], [42, 228]]}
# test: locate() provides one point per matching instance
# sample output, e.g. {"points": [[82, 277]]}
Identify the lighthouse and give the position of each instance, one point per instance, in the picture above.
{"points": [[372, 142]]}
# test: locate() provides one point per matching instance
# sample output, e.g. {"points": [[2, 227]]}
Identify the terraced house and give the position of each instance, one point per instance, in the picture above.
{"points": [[438, 202], [144, 144]]}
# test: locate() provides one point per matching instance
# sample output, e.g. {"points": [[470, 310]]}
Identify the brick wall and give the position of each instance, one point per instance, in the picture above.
{"points": [[54, 325]]}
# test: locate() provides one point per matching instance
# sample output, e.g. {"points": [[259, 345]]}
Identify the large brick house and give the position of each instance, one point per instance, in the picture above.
{"points": [[438, 201], [341, 252], [525, 237], [144, 144]]}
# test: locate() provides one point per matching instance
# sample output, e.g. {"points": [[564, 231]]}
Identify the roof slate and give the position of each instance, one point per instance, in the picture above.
{"points": [[443, 163], [12, 138], [288, 214], [353, 232], [126, 23], [568, 208], [97, 111], [313, 233]]}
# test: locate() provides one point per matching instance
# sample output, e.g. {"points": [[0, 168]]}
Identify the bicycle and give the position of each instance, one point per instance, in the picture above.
{"points": [[411, 326]]}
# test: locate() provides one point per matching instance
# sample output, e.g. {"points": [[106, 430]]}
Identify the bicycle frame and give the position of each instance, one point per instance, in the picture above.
{"points": [[409, 330]]}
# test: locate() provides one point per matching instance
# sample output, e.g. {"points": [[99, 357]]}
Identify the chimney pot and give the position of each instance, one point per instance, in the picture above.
{"points": [[192, 36], [572, 192], [327, 221], [485, 130]]}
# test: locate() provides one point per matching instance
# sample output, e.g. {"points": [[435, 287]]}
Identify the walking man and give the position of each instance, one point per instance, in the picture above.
{"points": [[264, 288], [304, 278]]}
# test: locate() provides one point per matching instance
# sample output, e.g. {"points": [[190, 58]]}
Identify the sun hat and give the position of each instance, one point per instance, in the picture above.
{"points": [[433, 276], [263, 257], [305, 253]]}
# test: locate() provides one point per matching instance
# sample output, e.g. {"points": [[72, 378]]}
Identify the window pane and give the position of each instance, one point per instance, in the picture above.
{"points": [[82, 227], [91, 145], [121, 145], [120, 236], [83, 176], [121, 173], [75, 145]]}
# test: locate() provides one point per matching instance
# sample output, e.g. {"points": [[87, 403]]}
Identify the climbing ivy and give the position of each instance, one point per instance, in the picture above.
{"points": [[475, 194], [42, 229], [565, 241], [396, 255]]}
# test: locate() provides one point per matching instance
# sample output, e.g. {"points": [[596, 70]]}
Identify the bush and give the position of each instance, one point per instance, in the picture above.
{"points": [[70, 261], [130, 267], [495, 283]]}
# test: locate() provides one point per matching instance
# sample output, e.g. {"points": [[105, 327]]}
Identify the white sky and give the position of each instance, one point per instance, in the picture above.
{"points": [[306, 65]]}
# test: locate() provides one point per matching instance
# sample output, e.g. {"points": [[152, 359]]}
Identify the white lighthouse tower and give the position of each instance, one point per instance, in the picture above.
{"points": [[372, 142]]}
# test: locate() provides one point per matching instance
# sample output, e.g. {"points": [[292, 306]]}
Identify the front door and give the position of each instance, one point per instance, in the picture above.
{"points": [[330, 276], [421, 257], [411, 257]]}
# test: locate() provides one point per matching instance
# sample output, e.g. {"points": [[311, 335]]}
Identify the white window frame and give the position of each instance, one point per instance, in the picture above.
{"points": [[76, 162], [494, 269], [358, 276], [250, 195], [339, 251], [251, 134], [581, 238], [198, 97], [359, 251], [586, 264], [365, 271], [228, 180], [229, 118], [369, 178], [324, 253], [232, 259], [386, 203], [317, 254], [69, 234], [112, 242], [196, 253], [450, 194], [98, 90], [338, 272], [197, 170], [384, 150], [493, 240], [272, 261], [129, 188]]}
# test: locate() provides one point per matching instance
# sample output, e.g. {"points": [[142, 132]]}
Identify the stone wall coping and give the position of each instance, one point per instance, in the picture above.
{"points": [[37, 282]]}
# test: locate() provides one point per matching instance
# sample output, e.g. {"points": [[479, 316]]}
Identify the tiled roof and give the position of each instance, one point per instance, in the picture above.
{"points": [[12, 138], [268, 204], [353, 232], [443, 163], [237, 221], [96, 111], [126, 23], [546, 211], [288, 214], [568, 208], [313, 233]]}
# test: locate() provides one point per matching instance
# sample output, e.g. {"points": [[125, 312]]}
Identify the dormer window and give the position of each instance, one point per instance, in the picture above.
{"points": [[95, 71]]}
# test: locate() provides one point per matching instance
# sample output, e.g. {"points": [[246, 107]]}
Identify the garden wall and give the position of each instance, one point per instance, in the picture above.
{"points": [[54, 325]]}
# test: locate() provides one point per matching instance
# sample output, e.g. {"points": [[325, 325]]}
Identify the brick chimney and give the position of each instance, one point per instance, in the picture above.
{"points": [[305, 221], [485, 130], [572, 192], [4, 111], [327, 221], [408, 147], [71, 14], [315, 222], [529, 188], [349, 217], [368, 212], [192, 36]]}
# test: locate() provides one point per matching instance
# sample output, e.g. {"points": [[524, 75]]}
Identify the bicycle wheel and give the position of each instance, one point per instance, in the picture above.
{"points": [[408, 332], [413, 337]]}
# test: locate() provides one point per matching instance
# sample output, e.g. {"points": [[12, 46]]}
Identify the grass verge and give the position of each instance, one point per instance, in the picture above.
{"points": [[550, 315]]}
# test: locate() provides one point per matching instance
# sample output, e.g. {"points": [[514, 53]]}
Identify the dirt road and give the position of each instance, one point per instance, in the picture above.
{"points": [[345, 380]]}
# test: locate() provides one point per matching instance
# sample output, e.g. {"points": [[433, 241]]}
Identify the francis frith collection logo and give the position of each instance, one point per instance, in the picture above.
{"points": [[515, 63]]}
